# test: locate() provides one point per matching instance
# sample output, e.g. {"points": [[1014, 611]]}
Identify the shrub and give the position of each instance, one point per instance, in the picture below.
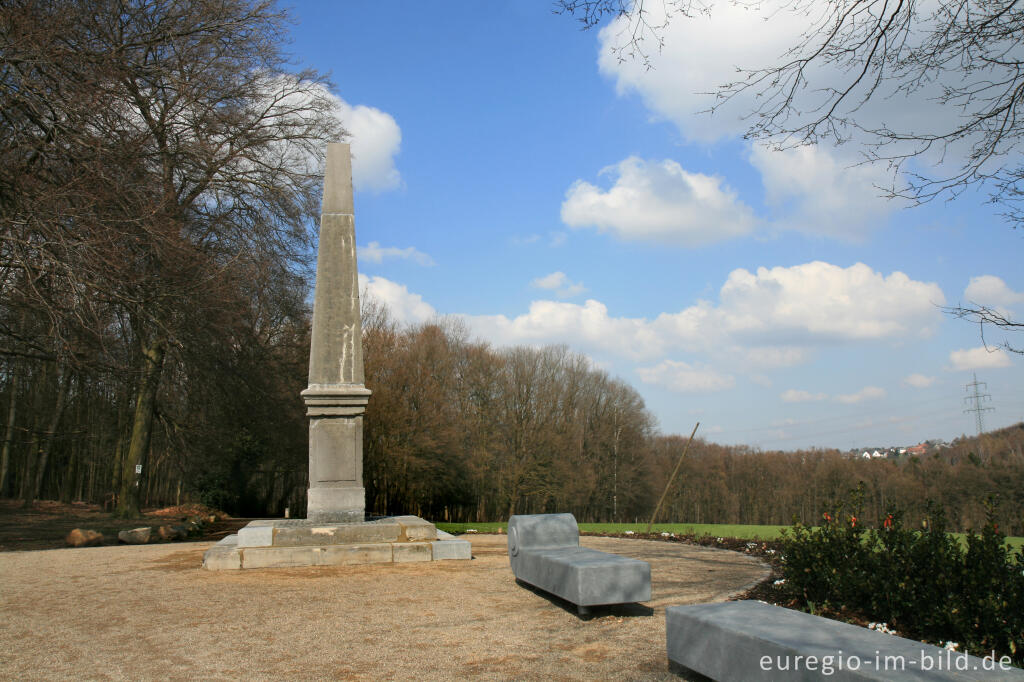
{"points": [[923, 583]]}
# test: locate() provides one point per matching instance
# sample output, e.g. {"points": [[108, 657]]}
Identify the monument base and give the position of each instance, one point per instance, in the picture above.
{"points": [[277, 543], [336, 505]]}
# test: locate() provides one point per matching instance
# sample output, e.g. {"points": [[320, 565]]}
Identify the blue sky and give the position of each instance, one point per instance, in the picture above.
{"points": [[511, 172]]}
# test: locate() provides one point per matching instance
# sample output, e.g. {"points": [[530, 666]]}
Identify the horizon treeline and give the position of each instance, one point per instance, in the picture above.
{"points": [[456, 430]]}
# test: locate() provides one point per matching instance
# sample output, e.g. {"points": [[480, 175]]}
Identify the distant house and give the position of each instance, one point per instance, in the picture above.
{"points": [[919, 449]]}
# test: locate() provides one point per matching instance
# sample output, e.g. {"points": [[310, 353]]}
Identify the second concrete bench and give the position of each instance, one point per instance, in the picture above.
{"points": [[544, 550], [738, 641]]}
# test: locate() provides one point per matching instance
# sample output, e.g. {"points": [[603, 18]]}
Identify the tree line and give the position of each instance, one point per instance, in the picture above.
{"points": [[456, 430]]}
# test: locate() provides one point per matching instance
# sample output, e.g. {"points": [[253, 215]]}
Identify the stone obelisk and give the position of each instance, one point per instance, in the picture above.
{"points": [[336, 397]]}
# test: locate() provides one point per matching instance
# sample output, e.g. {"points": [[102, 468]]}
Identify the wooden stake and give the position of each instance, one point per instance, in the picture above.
{"points": [[672, 478]]}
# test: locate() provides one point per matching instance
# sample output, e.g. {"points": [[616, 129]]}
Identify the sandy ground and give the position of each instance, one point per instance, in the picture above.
{"points": [[151, 613]]}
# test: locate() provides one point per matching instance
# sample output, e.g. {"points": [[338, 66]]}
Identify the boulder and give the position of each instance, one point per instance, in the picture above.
{"points": [[80, 537], [172, 533], [135, 536]]}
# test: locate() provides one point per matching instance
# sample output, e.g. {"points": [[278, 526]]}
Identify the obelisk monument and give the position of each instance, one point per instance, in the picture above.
{"points": [[336, 397]]}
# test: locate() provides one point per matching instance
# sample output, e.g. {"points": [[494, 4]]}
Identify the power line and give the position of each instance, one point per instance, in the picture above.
{"points": [[977, 399]]}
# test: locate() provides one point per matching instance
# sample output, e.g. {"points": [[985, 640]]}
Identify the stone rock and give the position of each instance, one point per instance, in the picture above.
{"points": [[80, 537], [172, 533], [135, 536]]}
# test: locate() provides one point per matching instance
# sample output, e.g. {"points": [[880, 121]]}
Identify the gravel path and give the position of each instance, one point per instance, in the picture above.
{"points": [[150, 613]]}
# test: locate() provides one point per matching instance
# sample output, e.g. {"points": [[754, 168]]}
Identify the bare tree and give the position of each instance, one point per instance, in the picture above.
{"points": [[151, 148]]}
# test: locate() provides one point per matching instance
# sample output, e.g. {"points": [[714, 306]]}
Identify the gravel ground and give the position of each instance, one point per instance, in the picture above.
{"points": [[151, 613]]}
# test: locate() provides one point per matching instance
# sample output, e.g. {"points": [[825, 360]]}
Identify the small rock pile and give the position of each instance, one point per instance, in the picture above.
{"points": [[80, 537]]}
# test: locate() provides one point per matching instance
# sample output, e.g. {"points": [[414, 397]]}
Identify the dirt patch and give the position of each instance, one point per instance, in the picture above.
{"points": [[151, 612]]}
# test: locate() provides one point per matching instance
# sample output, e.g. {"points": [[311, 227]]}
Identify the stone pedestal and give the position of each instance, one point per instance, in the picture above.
{"points": [[336, 493], [281, 543]]}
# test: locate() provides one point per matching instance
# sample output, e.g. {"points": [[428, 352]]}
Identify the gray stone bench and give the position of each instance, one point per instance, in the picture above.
{"points": [[751, 640], [545, 552]]}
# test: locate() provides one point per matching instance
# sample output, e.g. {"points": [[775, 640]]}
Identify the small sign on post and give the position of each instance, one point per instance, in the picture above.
{"points": [[138, 468]]}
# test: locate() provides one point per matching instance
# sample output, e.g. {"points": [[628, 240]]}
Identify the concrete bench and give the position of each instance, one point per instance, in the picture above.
{"points": [[545, 552], [751, 640]]}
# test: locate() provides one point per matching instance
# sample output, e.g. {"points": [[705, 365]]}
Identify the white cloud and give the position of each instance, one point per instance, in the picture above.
{"points": [[796, 396], [769, 318], [918, 381], [989, 290], [825, 301], [588, 326], [699, 54], [711, 49], [375, 253], [686, 378], [375, 140], [979, 358], [659, 202], [404, 305], [777, 356], [866, 393], [559, 283], [817, 191]]}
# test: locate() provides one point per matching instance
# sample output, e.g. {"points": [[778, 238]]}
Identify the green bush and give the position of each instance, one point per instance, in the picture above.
{"points": [[922, 583]]}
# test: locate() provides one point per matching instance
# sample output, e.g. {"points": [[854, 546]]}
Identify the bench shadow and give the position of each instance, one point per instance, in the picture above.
{"points": [[620, 610]]}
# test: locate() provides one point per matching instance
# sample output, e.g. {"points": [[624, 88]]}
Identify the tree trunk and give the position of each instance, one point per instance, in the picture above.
{"points": [[63, 382], [142, 428], [12, 411]]}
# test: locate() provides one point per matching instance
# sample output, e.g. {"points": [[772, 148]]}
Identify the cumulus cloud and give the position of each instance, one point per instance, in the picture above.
{"points": [[659, 201], [978, 358], [989, 290], [588, 325], [404, 305], [375, 253], [778, 356], [770, 317], [918, 381], [699, 54], [866, 393], [786, 304], [817, 191], [559, 283], [375, 140], [796, 396], [686, 378]]}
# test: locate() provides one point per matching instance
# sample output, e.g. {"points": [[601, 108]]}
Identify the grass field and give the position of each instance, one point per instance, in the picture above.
{"points": [[712, 529]]}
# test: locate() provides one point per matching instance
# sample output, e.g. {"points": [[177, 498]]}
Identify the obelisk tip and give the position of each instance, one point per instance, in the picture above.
{"points": [[338, 179]]}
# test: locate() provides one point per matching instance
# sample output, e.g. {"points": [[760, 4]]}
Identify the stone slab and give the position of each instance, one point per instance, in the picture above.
{"points": [[748, 640], [280, 557], [544, 552], [343, 555], [252, 535], [337, 534], [222, 558], [412, 551], [451, 549], [415, 528]]}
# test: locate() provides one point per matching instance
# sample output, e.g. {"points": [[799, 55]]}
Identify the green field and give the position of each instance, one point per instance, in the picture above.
{"points": [[712, 529]]}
